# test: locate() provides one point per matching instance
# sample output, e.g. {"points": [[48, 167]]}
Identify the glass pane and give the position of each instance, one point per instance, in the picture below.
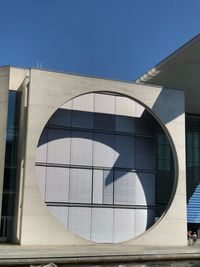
{"points": [[104, 122]]}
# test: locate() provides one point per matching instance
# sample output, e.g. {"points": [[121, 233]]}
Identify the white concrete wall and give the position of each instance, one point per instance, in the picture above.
{"points": [[48, 91], [17, 76], [23, 90]]}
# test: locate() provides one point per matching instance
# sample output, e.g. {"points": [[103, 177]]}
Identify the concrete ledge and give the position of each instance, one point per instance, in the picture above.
{"points": [[92, 255]]}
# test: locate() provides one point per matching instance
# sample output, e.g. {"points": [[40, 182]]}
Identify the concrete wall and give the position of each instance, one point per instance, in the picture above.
{"points": [[23, 90], [47, 92], [17, 76]]}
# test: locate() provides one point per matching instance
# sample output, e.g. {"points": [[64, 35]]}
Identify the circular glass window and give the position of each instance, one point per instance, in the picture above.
{"points": [[105, 167]]}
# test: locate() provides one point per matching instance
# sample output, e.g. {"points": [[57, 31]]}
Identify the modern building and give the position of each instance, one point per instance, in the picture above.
{"points": [[87, 160]]}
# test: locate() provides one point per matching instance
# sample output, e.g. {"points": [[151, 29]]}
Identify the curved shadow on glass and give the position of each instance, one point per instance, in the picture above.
{"points": [[151, 155]]}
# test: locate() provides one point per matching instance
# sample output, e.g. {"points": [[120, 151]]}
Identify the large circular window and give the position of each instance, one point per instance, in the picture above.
{"points": [[104, 167]]}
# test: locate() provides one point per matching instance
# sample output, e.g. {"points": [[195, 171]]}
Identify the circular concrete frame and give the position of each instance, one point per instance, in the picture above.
{"points": [[172, 193], [47, 92]]}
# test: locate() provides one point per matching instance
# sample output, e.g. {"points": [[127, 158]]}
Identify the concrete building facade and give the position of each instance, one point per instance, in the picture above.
{"points": [[87, 160]]}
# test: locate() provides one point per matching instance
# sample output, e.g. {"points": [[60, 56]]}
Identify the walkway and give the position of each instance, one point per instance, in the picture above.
{"points": [[14, 255]]}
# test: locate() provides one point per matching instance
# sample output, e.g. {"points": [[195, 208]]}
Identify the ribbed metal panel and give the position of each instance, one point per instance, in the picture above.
{"points": [[125, 188], [62, 117], [125, 147], [57, 184], [58, 144], [193, 208], [193, 168], [102, 225], [79, 221], [80, 186], [104, 152], [81, 148]]}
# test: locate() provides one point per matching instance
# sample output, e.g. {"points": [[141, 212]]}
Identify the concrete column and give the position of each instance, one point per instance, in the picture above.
{"points": [[23, 91]]}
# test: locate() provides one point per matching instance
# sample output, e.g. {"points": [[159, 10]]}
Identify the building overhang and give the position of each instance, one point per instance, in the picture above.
{"points": [[181, 70]]}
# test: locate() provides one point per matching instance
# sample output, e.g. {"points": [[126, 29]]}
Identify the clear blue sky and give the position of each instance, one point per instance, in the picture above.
{"points": [[118, 39]]}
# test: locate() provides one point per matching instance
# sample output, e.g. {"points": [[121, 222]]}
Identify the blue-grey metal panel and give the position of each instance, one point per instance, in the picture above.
{"points": [[104, 152], [145, 154], [125, 106], [82, 119], [144, 124], [123, 225], [104, 103], [145, 189], [80, 221], [125, 151], [150, 218], [139, 110], [98, 184], [80, 186], [58, 146], [81, 148], [57, 184], [102, 225], [62, 117], [82, 113], [124, 124], [103, 121], [140, 221], [84, 103], [125, 188], [108, 187]]}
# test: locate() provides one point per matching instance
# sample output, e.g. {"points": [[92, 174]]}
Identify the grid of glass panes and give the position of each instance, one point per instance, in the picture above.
{"points": [[9, 186], [193, 169], [192, 153], [164, 170], [96, 167]]}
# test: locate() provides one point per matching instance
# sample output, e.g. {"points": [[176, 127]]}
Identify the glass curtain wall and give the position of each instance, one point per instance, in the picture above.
{"points": [[193, 170], [9, 186], [164, 170]]}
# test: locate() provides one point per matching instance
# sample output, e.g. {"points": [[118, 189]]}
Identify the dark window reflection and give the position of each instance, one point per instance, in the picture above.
{"points": [[164, 171], [9, 185]]}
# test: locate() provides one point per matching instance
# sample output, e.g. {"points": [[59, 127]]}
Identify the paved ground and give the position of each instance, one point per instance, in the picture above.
{"points": [[97, 254]]}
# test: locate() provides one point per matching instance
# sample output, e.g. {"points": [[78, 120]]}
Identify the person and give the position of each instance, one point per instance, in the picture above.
{"points": [[189, 238], [194, 239]]}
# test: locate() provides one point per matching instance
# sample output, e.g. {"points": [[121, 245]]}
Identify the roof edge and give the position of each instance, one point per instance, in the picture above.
{"points": [[153, 72]]}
